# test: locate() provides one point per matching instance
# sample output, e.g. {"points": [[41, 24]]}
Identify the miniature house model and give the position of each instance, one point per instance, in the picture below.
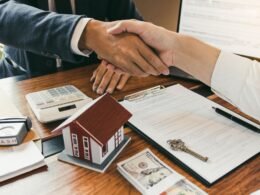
{"points": [[96, 130]]}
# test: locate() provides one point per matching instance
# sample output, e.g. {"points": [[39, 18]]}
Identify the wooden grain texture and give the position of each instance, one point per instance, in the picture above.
{"points": [[61, 178]]}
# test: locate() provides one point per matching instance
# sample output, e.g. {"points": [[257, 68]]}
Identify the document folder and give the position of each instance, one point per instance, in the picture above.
{"points": [[175, 112]]}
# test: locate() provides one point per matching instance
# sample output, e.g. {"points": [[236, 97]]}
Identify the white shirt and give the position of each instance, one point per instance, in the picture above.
{"points": [[237, 80], [76, 37]]}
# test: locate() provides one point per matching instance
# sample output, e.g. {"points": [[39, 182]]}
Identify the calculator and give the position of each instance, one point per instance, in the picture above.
{"points": [[56, 103]]}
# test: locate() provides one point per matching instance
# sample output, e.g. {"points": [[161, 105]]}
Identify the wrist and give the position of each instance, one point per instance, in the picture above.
{"points": [[193, 56], [88, 35]]}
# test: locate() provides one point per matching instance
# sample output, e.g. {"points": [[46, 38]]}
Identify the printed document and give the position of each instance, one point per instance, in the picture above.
{"points": [[178, 113], [17, 160], [232, 25]]}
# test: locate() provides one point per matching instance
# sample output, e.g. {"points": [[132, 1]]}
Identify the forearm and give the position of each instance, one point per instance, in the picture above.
{"points": [[232, 77], [236, 79], [31, 29], [194, 57]]}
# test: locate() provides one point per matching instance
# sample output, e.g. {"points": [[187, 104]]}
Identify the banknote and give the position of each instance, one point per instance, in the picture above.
{"points": [[183, 187], [146, 169], [152, 176]]}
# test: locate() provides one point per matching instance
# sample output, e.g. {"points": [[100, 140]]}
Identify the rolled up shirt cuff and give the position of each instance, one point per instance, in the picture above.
{"points": [[76, 37], [234, 79]]}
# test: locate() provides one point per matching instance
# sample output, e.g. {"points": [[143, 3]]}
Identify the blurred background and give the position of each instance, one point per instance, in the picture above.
{"points": [[160, 12]]}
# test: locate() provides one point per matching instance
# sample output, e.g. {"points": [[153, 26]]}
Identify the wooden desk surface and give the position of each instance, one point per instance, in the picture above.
{"points": [[62, 178]]}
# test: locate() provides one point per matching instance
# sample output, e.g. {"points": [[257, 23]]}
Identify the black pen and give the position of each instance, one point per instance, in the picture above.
{"points": [[237, 120]]}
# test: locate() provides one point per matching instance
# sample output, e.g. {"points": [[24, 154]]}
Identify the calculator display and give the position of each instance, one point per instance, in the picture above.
{"points": [[67, 108]]}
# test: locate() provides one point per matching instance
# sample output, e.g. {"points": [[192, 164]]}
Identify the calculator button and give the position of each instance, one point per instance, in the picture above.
{"points": [[53, 93], [78, 95], [62, 91], [37, 99], [49, 101], [71, 89]]}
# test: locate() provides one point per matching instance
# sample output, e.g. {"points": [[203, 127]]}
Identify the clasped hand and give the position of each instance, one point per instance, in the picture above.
{"points": [[125, 51]]}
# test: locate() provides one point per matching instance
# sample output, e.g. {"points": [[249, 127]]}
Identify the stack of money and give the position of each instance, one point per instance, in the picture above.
{"points": [[148, 174]]}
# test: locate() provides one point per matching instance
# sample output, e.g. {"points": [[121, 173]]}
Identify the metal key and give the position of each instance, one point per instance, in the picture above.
{"points": [[178, 144]]}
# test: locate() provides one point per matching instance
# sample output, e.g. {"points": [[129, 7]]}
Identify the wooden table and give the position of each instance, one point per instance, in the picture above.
{"points": [[61, 178]]}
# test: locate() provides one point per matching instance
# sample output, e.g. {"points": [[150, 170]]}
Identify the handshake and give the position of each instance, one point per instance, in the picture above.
{"points": [[128, 47]]}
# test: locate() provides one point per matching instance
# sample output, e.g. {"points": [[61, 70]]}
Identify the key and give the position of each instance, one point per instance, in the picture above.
{"points": [[179, 145]]}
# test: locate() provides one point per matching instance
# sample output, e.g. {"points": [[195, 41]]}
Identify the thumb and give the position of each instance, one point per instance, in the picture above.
{"points": [[117, 29], [131, 26]]}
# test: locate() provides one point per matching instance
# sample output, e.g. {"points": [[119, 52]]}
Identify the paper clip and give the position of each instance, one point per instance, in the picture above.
{"points": [[151, 92]]}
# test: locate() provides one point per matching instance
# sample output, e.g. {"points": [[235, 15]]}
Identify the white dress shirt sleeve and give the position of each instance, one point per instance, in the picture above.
{"points": [[237, 80], [76, 37]]}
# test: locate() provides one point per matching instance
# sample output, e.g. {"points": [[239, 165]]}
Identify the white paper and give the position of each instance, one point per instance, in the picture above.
{"points": [[20, 159], [256, 193], [8, 109], [232, 25], [179, 113]]}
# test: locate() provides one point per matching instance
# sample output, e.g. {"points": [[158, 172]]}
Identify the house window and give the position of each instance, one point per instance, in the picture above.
{"points": [[119, 136], [86, 147], [116, 139], [105, 150], [75, 145]]}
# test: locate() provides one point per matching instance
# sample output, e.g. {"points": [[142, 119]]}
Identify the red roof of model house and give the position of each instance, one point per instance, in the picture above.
{"points": [[101, 118]]}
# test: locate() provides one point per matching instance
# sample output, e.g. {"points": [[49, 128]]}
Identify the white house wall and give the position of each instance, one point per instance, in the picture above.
{"points": [[96, 152], [67, 140], [111, 143], [111, 147]]}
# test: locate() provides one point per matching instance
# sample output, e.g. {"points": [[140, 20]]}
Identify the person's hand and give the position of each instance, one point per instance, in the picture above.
{"points": [[125, 51], [185, 52], [106, 78], [156, 37]]}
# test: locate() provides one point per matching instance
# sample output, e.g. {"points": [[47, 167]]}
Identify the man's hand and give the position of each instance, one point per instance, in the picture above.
{"points": [[156, 37], [107, 78], [125, 51]]}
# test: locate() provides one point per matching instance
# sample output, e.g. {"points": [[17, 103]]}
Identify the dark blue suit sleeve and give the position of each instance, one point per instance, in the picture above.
{"points": [[46, 33]]}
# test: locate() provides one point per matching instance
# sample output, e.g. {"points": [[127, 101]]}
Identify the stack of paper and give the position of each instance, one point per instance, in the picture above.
{"points": [[20, 159], [151, 176]]}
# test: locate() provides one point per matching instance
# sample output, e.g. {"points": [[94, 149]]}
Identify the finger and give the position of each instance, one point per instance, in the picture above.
{"points": [[113, 83], [93, 76], [119, 71], [105, 81], [99, 75], [129, 66], [153, 59], [123, 81], [142, 74], [110, 67], [143, 64]]}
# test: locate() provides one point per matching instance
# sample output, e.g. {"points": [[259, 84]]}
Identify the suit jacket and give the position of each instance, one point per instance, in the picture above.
{"points": [[34, 37]]}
